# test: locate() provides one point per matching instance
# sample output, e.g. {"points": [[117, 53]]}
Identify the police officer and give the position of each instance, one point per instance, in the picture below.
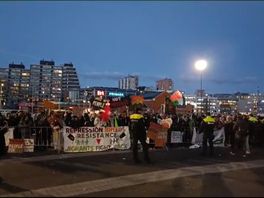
{"points": [[138, 132], [207, 128], [3, 130]]}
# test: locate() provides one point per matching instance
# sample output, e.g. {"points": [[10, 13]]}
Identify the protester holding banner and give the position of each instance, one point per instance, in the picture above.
{"points": [[230, 138], [251, 137], [259, 133], [97, 120], [207, 128], [75, 122], [87, 120], [56, 123], [138, 130], [242, 132], [229, 132], [123, 119], [24, 125], [3, 130]]}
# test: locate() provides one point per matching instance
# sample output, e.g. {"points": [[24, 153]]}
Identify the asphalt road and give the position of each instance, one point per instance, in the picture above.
{"points": [[247, 183], [176, 172]]}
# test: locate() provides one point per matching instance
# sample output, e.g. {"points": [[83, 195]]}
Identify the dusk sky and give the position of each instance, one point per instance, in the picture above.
{"points": [[154, 39]]}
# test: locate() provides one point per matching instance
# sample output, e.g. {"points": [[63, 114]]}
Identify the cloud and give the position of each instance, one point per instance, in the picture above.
{"points": [[17, 54], [114, 76], [106, 75], [235, 81], [151, 77], [102, 75], [188, 79], [231, 81]]}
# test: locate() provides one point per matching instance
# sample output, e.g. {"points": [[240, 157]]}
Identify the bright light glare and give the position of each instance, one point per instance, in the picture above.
{"points": [[200, 65]]}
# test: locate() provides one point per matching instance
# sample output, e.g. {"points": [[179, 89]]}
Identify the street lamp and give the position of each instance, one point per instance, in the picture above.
{"points": [[201, 65]]}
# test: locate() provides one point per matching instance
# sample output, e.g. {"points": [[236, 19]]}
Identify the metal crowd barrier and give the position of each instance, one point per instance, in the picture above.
{"points": [[183, 139], [43, 137], [48, 138]]}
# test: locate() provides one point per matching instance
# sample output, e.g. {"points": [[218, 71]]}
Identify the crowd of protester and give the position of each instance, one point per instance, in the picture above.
{"points": [[238, 128]]}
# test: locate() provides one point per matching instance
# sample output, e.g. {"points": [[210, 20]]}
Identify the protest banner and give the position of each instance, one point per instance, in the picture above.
{"points": [[176, 137], [85, 139], [161, 138], [137, 100], [177, 98], [99, 103], [219, 138], [9, 135], [16, 146], [50, 104], [29, 145], [158, 134], [20, 145], [153, 129], [166, 123]]}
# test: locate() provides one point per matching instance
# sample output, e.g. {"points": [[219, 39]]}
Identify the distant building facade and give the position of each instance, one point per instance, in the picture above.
{"points": [[17, 84], [206, 103], [250, 103], [57, 83], [128, 82], [164, 85], [261, 106], [3, 86], [41, 80], [227, 103], [201, 101], [243, 103], [70, 83]]}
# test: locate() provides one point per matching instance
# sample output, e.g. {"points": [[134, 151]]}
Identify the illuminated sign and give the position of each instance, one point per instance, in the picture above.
{"points": [[116, 94], [100, 93]]}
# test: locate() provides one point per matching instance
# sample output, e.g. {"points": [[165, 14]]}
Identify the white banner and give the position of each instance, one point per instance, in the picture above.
{"points": [[29, 145], [9, 135], [176, 137], [87, 139], [16, 146], [20, 145], [219, 138]]}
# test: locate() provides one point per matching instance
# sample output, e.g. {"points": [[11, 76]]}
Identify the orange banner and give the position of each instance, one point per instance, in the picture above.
{"points": [[158, 133], [137, 100], [161, 139], [50, 105]]}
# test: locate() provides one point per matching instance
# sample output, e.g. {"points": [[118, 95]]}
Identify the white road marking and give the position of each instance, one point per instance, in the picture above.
{"points": [[99, 185]]}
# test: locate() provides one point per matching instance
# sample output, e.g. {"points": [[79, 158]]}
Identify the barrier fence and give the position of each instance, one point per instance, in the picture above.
{"points": [[90, 139], [83, 139], [41, 137], [67, 139]]}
